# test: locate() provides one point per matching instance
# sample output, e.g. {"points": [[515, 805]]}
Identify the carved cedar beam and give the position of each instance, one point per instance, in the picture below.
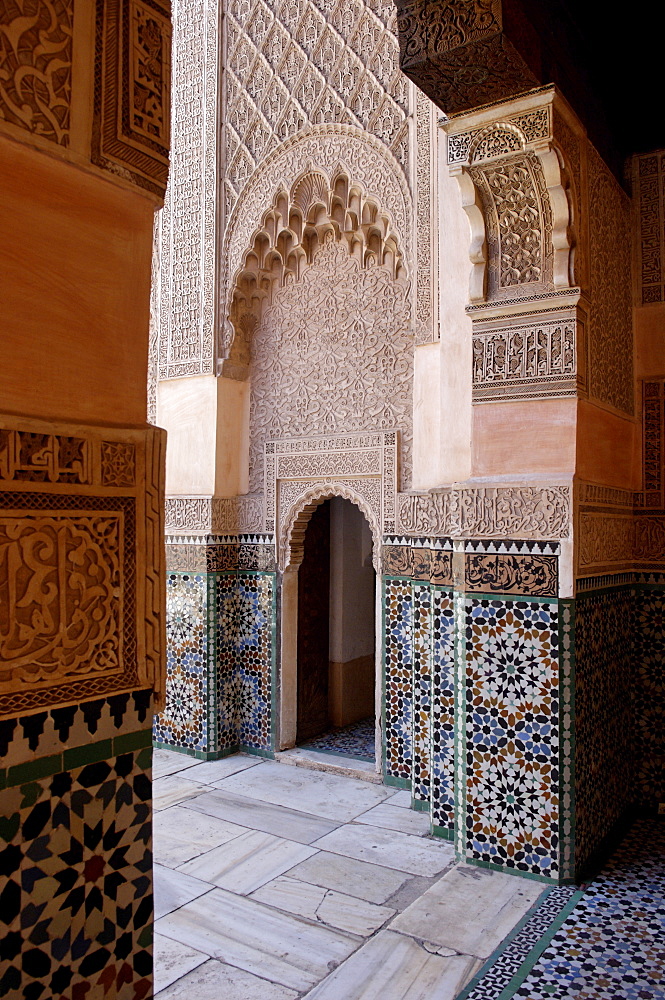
{"points": [[459, 53]]}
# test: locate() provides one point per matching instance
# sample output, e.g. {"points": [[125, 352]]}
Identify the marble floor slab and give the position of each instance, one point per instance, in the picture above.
{"points": [[469, 910], [331, 796], [210, 771], [391, 817], [173, 888], [182, 834], [165, 762], [217, 981], [389, 848], [250, 812], [175, 788], [284, 949], [393, 967], [336, 909], [244, 864], [173, 960], [401, 798], [373, 883]]}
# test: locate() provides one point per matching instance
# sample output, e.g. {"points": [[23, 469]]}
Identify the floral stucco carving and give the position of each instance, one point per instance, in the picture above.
{"points": [[332, 355]]}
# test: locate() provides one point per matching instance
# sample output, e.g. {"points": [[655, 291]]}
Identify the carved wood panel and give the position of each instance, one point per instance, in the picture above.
{"points": [[314, 626]]}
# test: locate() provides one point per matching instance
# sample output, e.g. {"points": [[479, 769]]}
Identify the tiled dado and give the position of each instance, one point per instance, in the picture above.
{"points": [[473, 695], [75, 854], [220, 623], [510, 806]]}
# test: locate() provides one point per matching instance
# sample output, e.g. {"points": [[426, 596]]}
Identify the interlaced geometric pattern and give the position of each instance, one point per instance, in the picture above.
{"points": [[291, 63], [76, 866]]}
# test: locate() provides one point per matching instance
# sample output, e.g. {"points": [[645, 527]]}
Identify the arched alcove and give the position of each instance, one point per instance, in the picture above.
{"points": [[330, 620]]}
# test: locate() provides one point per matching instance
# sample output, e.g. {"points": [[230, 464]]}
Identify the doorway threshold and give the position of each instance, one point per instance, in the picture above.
{"points": [[365, 770]]}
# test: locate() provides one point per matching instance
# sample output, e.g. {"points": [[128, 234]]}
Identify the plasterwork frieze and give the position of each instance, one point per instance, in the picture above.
{"points": [[426, 254], [526, 357], [81, 562], [214, 515], [511, 134], [653, 443], [318, 211], [360, 467], [330, 149], [189, 223], [36, 76], [486, 512], [290, 65]]}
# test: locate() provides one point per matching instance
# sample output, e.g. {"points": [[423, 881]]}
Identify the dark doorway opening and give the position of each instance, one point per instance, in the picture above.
{"points": [[336, 633]]}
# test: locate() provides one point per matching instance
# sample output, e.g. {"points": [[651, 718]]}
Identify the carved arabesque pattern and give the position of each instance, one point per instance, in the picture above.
{"points": [[336, 150], [491, 512], [518, 224], [333, 354], [185, 302], [293, 64], [611, 339], [648, 184], [36, 61], [303, 504], [291, 231]]}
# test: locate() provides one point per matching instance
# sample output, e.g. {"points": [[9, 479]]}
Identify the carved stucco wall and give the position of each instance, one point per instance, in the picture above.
{"points": [[610, 247], [333, 354], [292, 63], [260, 94]]}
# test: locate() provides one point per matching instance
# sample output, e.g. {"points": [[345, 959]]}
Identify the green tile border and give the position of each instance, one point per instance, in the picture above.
{"points": [[90, 753], [393, 782], [508, 870], [443, 832], [509, 990], [76, 757]]}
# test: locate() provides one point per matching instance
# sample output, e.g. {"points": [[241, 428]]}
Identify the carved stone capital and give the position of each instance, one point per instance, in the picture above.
{"points": [[514, 192]]}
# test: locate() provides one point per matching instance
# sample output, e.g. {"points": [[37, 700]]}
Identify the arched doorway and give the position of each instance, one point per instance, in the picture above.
{"points": [[336, 636]]}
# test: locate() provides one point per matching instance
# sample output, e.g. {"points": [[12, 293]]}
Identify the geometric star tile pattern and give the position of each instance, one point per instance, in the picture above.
{"points": [[398, 680], [220, 660], [511, 734], [246, 617], [611, 944], [183, 722], [443, 710], [76, 867]]}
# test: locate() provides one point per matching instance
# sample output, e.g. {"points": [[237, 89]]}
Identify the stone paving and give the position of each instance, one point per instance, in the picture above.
{"points": [[273, 882]]}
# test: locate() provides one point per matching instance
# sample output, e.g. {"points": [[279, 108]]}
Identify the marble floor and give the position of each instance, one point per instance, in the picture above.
{"points": [[275, 882]]}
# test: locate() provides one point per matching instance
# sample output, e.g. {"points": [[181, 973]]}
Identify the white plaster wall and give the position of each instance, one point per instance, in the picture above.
{"points": [[207, 419], [456, 343], [351, 583]]}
